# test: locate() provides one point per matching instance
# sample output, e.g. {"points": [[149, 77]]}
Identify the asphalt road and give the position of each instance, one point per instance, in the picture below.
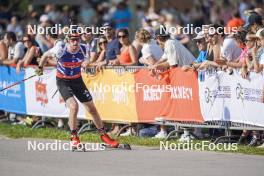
{"points": [[16, 160]]}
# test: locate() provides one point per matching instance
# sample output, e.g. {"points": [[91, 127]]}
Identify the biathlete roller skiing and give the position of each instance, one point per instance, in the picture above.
{"points": [[71, 58]]}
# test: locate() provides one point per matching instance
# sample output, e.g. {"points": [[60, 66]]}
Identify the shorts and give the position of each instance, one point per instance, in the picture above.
{"points": [[73, 87]]}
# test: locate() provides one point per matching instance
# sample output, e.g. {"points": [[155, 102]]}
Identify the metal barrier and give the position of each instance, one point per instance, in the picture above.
{"points": [[225, 125]]}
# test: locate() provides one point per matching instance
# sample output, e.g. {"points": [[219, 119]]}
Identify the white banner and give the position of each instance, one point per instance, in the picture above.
{"points": [[39, 92], [232, 98]]}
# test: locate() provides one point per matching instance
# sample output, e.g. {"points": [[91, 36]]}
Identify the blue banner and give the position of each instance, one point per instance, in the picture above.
{"points": [[12, 99]]}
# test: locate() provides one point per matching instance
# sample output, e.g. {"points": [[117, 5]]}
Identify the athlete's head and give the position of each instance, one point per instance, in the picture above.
{"points": [[74, 40]]}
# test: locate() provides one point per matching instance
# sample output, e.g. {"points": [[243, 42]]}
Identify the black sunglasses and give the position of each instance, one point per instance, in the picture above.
{"points": [[105, 42]]}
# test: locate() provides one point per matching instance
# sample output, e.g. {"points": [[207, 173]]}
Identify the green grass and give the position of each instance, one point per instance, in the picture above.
{"points": [[17, 131]]}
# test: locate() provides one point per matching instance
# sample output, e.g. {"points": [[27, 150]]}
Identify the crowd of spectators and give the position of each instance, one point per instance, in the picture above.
{"points": [[239, 44]]}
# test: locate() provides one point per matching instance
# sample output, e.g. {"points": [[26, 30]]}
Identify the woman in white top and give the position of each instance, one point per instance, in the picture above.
{"points": [[151, 51]]}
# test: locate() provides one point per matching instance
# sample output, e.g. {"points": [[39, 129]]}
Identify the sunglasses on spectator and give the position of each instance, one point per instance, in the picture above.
{"points": [[103, 42], [75, 39], [122, 36]]}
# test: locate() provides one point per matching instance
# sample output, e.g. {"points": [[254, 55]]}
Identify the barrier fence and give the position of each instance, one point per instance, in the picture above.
{"points": [[132, 94]]}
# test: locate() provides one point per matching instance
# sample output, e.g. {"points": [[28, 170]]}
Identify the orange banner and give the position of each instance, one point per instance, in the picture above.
{"points": [[184, 98], [174, 97], [140, 97]]}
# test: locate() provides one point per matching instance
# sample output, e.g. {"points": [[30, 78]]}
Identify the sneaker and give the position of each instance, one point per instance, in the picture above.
{"points": [[106, 139], [75, 141], [161, 134], [127, 133]]}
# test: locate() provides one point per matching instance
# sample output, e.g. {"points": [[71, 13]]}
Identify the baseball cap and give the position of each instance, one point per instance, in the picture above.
{"points": [[161, 32], [108, 25], [252, 19], [199, 36]]}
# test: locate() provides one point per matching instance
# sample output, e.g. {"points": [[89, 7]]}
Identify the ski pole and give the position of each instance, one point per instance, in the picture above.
{"points": [[16, 83]]}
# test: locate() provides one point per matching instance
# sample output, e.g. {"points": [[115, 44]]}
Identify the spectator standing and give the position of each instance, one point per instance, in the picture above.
{"points": [[128, 54], [121, 16], [15, 27], [151, 51], [175, 54], [15, 49], [31, 55]]}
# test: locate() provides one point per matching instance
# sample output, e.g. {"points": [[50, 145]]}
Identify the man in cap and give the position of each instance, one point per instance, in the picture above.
{"points": [[113, 46], [202, 47]]}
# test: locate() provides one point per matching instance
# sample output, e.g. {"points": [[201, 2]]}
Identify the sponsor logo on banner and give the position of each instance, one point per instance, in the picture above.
{"points": [[182, 92], [249, 94], [120, 96], [152, 94], [13, 94], [219, 92], [41, 93]]}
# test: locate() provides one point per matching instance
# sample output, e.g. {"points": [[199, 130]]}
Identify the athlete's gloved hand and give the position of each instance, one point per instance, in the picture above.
{"points": [[39, 71]]}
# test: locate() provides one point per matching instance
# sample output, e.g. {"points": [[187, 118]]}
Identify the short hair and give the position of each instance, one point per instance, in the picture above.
{"points": [[11, 35], [143, 35]]}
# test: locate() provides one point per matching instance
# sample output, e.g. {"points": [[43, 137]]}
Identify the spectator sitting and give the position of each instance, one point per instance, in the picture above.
{"points": [[32, 53], [128, 52], [15, 49], [151, 51]]}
